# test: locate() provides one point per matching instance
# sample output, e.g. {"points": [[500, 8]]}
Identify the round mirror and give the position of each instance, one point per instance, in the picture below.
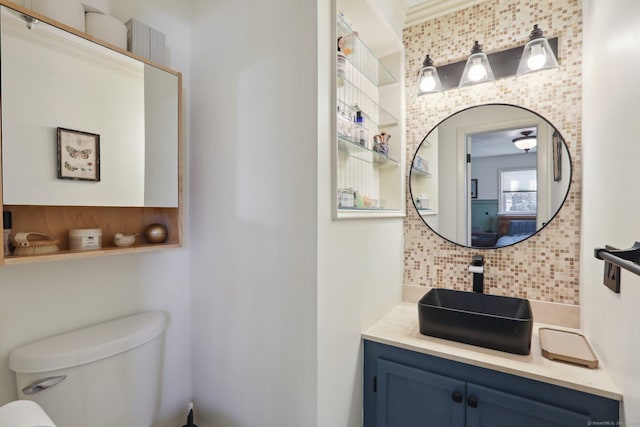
{"points": [[490, 176]]}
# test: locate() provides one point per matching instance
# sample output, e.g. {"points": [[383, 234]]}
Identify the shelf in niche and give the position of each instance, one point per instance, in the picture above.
{"points": [[385, 118], [427, 212], [354, 213], [421, 172], [362, 153], [363, 59], [363, 209]]}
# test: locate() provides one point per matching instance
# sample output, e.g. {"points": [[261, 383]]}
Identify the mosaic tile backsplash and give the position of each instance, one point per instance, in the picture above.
{"points": [[546, 266]]}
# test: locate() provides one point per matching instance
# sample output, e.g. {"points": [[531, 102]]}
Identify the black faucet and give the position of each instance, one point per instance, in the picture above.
{"points": [[477, 268]]}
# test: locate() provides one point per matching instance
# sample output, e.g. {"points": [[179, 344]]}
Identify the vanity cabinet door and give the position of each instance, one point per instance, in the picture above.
{"points": [[409, 397], [404, 388], [489, 407]]}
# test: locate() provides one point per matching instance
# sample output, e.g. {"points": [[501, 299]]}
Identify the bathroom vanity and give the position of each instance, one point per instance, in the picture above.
{"points": [[412, 379]]}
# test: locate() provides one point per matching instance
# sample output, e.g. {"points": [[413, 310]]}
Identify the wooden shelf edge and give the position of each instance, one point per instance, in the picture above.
{"points": [[65, 254]]}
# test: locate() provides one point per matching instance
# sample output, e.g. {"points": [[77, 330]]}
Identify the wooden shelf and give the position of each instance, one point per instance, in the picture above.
{"points": [[58, 220], [66, 254]]}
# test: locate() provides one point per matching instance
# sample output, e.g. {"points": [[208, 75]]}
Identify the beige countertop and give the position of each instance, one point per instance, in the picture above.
{"points": [[399, 328]]}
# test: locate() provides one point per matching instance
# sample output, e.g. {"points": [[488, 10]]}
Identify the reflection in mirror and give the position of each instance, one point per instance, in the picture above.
{"points": [[52, 78], [474, 186]]}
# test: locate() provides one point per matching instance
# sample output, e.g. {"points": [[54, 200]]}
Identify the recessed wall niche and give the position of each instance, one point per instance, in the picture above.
{"points": [[546, 266]]}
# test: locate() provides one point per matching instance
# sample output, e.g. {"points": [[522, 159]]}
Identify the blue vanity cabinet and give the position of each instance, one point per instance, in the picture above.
{"points": [[404, 388], [407, 396]]}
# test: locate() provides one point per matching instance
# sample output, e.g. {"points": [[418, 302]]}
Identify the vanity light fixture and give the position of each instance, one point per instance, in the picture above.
{"points": [[428, 79], [477, 70], [537, 54], [525, 142]]}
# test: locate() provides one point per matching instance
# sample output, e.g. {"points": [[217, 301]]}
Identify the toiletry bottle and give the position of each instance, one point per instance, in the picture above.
{"points": [[341, 64], [7, 225], [345, 126], [340, 123], [362, 134]]}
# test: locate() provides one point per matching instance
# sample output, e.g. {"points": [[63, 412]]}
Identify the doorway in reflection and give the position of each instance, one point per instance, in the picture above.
{"points": [[502, 182]]}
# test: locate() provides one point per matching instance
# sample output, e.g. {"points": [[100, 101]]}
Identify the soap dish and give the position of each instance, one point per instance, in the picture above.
{"points": [[567, 346]]}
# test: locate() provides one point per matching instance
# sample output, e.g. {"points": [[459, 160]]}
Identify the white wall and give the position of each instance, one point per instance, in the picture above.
{"points": [[254, 191], [610, 203], [42, 299], [360, 266], [281, 292]]}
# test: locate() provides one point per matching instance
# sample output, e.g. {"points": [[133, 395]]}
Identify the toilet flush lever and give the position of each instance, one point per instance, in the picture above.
{"points": [[43, 384]]}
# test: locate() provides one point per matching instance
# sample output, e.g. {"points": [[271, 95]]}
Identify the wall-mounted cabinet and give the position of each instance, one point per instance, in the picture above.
{"points": [[369, 145], [55, 77]]}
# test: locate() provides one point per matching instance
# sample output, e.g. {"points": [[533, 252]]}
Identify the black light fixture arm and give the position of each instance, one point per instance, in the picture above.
{"points": [[477, 48], [536, 33], [428, 62]]}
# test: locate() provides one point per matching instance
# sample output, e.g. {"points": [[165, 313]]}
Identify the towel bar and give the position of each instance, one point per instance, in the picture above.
{"points": [[615, 259]]}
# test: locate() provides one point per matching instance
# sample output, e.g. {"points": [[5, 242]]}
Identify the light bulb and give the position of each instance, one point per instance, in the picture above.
{"points": [[477, 71], [427, 83], [537, 57], [526, 144]]}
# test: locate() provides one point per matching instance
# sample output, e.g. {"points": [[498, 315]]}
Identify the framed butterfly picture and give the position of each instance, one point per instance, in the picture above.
{"points": [[78, 155]]}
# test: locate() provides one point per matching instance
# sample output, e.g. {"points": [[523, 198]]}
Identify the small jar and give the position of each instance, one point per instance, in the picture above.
{"points": [[423, 201], [85, 239]]}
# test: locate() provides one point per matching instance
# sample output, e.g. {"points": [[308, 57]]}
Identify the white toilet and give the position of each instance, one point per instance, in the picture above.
{"points": [[104, 375]]}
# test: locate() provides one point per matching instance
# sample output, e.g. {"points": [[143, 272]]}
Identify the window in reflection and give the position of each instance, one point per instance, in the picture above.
{"points": [[518, 192]]}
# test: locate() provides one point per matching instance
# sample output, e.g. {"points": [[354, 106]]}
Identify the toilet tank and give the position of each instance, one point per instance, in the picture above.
{"points": [[103, 375]]}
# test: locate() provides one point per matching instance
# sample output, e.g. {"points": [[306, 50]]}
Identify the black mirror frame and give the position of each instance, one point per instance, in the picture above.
{"points": [[570, 162]]}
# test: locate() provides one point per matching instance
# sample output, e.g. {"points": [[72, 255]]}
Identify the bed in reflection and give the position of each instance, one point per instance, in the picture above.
{"points": [[514, 228]]}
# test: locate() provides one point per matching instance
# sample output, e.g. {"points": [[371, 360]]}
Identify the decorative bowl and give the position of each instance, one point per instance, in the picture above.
{"points": [[156, 233]]}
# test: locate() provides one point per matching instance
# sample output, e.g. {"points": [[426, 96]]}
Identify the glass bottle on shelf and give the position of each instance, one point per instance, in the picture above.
{"points": [[341, 63], [362, 133], [345, 126], [350, 43], [423, 202]]}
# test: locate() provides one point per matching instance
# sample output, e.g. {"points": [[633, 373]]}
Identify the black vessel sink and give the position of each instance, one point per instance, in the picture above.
{"points": [[490, 321]]}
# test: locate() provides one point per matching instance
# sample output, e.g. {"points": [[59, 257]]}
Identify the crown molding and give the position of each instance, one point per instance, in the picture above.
{"points": [[430, 9]]}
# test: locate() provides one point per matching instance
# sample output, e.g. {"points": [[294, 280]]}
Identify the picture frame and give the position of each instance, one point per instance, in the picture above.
{"points": [[78, 155], [474, 188], [557, 156]]}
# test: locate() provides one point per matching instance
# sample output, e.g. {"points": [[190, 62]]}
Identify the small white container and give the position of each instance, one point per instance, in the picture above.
{"points": [[423, 202], [85, 239]]}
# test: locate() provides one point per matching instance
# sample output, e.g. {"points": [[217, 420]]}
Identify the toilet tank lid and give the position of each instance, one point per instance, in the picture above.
{"points": [[88, 344]]}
